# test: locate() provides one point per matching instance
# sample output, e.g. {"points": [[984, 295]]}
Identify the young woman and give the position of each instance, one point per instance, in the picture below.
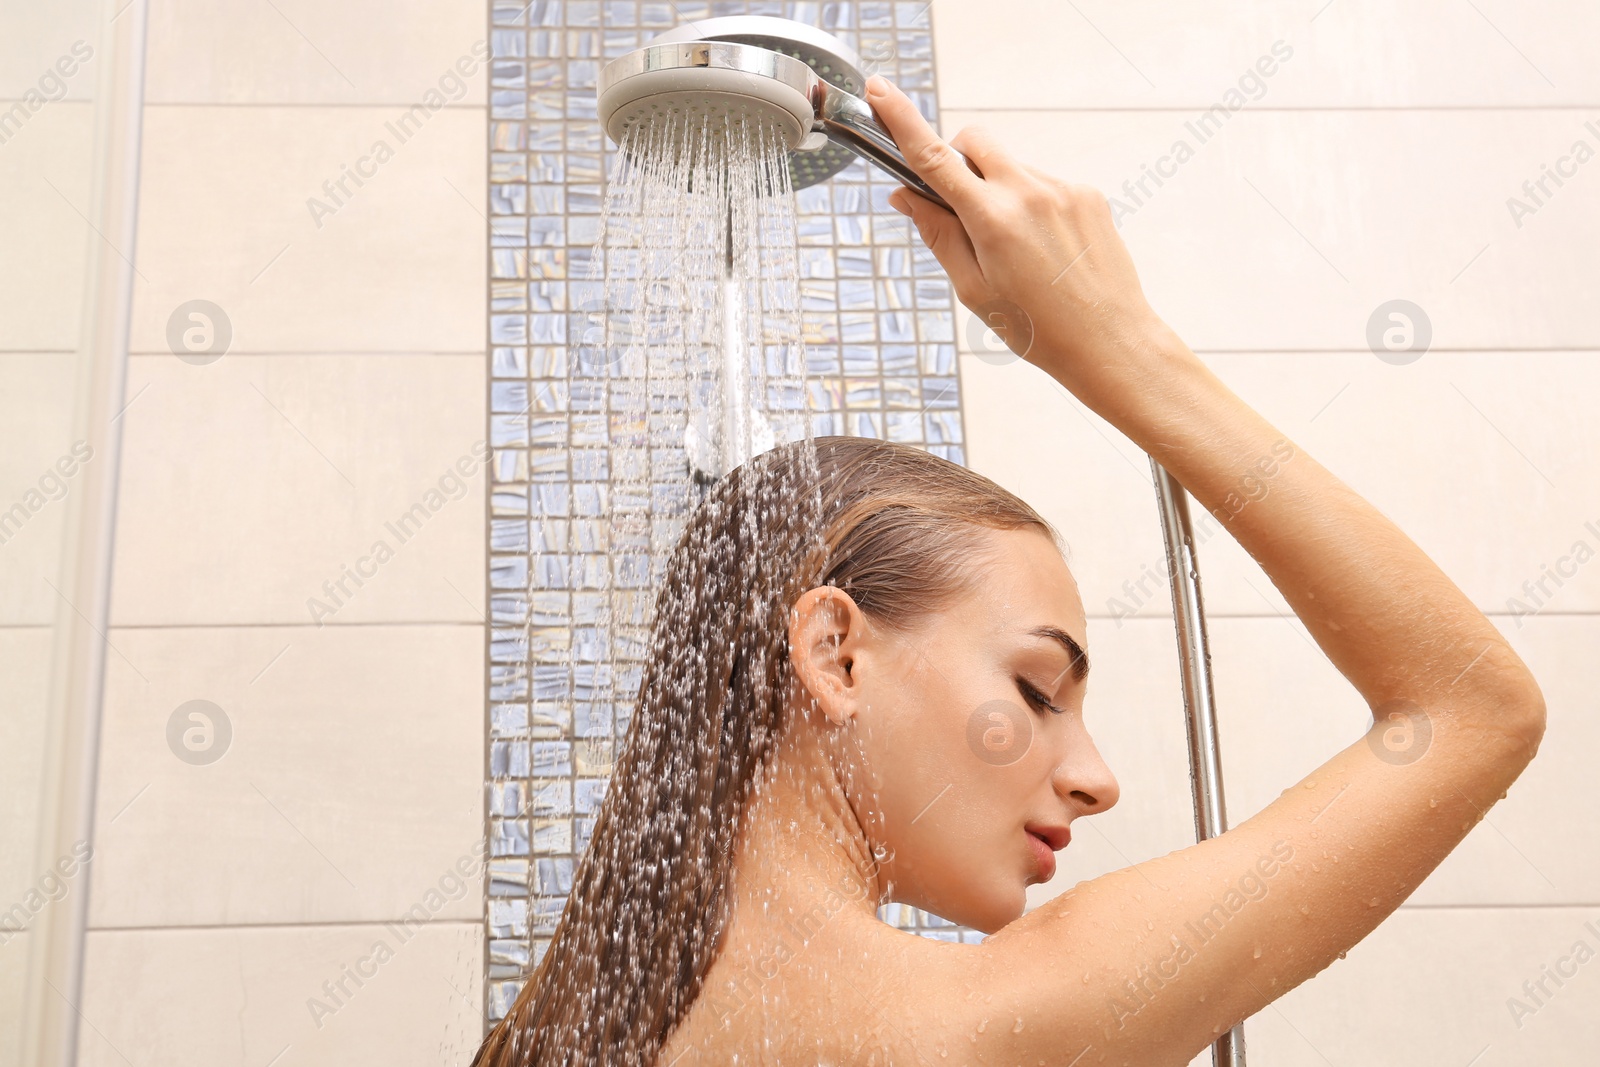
{"points": [[867, 685]]}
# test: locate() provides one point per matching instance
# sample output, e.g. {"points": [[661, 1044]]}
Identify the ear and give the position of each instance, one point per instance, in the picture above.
{"points": [[826, 631]]}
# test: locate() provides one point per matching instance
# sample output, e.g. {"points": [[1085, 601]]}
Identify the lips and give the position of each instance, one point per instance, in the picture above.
{"points": [[1044, 859], [1057, 837]]}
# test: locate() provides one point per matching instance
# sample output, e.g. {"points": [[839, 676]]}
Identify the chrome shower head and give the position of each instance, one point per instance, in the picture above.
{"points": [[803, 82]]}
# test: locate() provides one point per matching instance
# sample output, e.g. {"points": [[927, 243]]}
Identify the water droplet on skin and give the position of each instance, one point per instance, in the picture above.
{"points": [[1017, 1029], [1310, 783], [1304, 910], [1373, 903], [1256, 955], [983, 1024], [1433, 802]]}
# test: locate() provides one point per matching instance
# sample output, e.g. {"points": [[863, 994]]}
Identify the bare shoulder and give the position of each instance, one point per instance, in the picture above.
{"points": [[852, 990]]}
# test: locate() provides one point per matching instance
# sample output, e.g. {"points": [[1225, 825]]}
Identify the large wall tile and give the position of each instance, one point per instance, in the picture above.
{"points": [[250, 483], [247, 998], [302, 52], [24, 699], [1287, 230], [1283, 711], [38, 474], [1483, 459], [44, 198], [1441, 446], [348, 785], [397, 266], [1344, 53], [35, 37], [1436, 987]]}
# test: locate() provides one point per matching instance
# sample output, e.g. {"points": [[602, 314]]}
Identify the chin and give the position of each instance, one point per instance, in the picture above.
{"points": [[994, 911]]}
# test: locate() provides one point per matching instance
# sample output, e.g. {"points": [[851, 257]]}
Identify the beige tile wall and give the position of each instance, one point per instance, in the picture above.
{"points": [[1375, 165], [226, 894]]}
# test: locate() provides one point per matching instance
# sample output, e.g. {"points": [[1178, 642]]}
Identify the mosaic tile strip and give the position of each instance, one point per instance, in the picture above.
{"points": [[878, 328]]}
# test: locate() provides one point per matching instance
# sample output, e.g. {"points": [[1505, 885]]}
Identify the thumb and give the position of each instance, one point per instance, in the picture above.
{"points": [[945, 237]]}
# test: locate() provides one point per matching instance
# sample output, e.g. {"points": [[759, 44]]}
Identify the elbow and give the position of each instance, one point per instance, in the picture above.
{"points": [[1518, 715], [1517, 702], [1530, 719]]}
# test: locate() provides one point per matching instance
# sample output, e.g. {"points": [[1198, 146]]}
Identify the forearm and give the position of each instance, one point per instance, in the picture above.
{"points": [[1383, 612]]}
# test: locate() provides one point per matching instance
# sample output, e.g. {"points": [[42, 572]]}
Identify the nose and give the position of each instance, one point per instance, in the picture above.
{"points": [[1085, 779]]}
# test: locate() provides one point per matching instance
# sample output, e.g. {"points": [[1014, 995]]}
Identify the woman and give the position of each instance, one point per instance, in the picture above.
{"points": [[867, 685]]}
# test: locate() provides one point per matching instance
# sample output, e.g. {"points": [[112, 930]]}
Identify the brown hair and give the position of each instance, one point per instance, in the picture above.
{"points": [[889, 524]]}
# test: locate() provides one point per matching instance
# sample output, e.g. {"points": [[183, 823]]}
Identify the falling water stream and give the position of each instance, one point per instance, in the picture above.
{"points": [[685, 360], [689, 337]]}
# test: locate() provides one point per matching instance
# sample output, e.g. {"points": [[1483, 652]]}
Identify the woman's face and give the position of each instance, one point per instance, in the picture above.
{"points": [[972, 728]]}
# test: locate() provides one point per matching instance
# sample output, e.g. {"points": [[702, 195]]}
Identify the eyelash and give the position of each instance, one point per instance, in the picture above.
{"points": [[1033, 696]]}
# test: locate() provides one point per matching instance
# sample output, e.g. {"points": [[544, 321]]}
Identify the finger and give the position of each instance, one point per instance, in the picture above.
{"points": [[934, 161], [984, 149], [946, 238]]}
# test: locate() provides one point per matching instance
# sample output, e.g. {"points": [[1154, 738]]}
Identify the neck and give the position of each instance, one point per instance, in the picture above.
{"points": [[803, 841]]}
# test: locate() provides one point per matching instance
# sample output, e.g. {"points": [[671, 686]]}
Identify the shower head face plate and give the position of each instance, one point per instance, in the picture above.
{"points": [[803, 56], [705, 88]]}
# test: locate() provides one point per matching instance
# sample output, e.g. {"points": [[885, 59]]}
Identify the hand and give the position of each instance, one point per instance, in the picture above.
{"points": [[1037, 258]]}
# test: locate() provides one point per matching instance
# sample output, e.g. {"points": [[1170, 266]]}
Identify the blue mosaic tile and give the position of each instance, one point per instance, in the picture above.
{"points": [[877, 322]]}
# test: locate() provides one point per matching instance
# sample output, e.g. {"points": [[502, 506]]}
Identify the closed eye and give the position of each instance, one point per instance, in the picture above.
{"points": [[1036, 698]]}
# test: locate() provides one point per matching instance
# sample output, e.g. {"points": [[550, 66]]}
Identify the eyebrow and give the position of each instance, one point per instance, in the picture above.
{"points": [[1080, 658]]}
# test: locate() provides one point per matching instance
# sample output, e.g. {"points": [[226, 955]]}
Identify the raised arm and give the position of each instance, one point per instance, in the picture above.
{"points": [[1149, 965]]}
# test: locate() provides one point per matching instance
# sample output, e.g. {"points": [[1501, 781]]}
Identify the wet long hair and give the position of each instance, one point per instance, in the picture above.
{"points": [[889, 524]]}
